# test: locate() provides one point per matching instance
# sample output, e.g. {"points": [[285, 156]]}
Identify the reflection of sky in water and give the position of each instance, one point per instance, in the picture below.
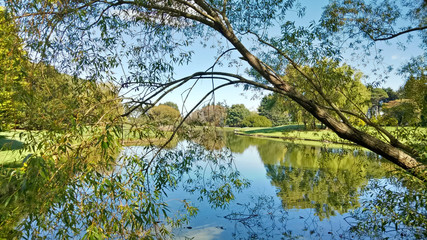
{"points": [[296, 191], [258, 210]]}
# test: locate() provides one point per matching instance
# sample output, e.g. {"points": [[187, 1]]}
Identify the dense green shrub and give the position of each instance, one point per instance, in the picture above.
{"points": [[164, 114], [255, 120], [235, 115]]}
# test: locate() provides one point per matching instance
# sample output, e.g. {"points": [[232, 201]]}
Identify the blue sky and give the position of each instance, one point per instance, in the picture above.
{"points": [[230, 95], [204, 58]]}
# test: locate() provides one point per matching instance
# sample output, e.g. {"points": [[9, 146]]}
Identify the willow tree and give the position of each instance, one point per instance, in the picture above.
{"points": [[12, 71], [149, 38]]}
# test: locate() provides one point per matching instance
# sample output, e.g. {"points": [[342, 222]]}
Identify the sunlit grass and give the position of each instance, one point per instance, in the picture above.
{"points": [[297, 133], [290, 131], [10, 145]]}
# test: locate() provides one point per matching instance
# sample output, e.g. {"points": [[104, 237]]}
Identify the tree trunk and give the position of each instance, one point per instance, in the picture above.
{"points": [[343, 130], [372, 143], [377, 114]]}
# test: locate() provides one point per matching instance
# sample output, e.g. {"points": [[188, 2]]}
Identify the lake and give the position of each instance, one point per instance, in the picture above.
{"points": [[295, 191], [241, 188]]}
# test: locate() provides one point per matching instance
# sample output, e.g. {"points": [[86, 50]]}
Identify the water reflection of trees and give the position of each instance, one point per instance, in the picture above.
{"points": [[109, 199], [125, 200], [26, 192], [17, 199], [270, 151], [209, 138], [397, 208], [328, 181]]}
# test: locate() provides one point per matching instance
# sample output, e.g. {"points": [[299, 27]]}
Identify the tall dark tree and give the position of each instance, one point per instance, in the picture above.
{"points": [[378, 96], [235, 115], [392, 95], [415, 87], [275, 107]]}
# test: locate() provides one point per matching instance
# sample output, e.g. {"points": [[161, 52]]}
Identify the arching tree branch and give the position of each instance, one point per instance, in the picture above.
{"points": [[391, 36]]}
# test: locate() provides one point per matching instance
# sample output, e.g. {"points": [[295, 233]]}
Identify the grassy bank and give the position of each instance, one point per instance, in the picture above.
{"points": [[296, 133], [10, 145]]}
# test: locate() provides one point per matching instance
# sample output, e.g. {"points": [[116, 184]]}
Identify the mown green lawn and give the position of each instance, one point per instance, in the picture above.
{"points": [[297, 132], [292, 131], [10, 145]]}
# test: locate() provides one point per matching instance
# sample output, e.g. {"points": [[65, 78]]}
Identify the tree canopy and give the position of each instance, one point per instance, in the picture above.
{"points": [[171, 104], [138, 45], [213, 115], [235, 115], [415, 87], [164, 114], [277, 109], [12, 70], [100, 31]]}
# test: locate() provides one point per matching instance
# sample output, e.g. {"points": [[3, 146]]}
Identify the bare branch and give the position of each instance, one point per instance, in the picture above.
{"points": [[220, 56], [187, 115], [391, 36]]}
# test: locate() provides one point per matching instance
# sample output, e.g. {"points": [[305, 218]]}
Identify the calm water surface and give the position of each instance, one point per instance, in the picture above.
{"points": [[295, 191]]}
